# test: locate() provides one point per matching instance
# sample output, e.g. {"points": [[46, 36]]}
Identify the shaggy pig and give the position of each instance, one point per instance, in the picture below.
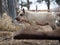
{"points": [[41, 18]]}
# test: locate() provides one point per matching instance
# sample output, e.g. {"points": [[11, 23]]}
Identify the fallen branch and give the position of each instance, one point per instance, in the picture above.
{"points": [[33, 34]]}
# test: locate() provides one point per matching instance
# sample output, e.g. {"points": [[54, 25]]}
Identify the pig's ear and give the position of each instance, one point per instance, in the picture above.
{"points": [[23, 10]]}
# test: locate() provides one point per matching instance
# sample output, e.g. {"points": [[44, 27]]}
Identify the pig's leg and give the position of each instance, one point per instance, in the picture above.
{"points": [[53, 27]]}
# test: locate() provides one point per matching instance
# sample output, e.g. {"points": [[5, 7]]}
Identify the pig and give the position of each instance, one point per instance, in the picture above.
{"points": [[39, 18]]}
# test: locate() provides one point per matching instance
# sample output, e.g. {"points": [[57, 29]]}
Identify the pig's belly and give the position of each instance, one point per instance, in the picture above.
{"points": [[41, 21]]}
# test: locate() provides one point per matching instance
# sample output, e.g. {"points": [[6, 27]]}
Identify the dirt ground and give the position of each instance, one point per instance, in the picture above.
{"points": [[7, 29]]}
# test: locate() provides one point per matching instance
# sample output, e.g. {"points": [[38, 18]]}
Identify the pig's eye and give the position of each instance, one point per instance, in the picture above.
{"points": [[21, 14]]}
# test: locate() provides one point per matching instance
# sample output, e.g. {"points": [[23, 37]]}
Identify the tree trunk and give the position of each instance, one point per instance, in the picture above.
{"points": [[36, 8], [17, 6], [48, 5], [28, 5], [12, 8], [33, 34], [0, 8]]}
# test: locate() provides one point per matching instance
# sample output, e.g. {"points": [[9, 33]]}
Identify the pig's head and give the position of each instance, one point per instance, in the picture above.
{"points": [[22, 16], [21, 13]]}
